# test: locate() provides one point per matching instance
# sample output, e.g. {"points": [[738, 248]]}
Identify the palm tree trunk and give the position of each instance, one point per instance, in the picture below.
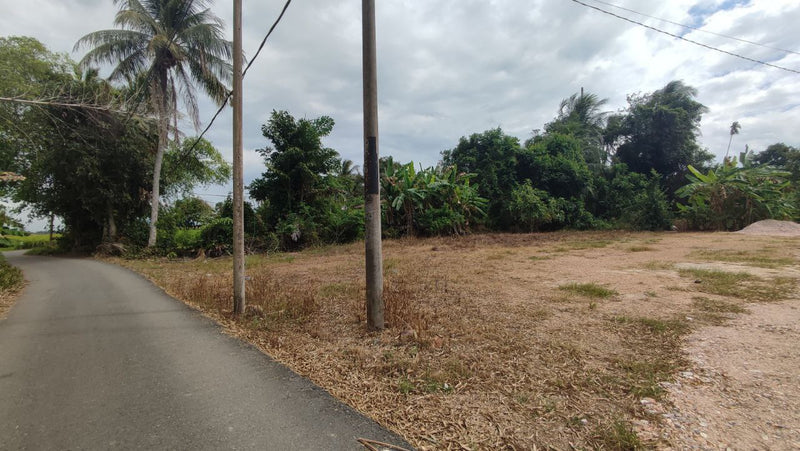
{"points": [[163, 126], [730, 140]]}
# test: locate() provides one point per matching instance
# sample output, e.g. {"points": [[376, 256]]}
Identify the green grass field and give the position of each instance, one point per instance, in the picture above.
{"points": [[12, 242]]}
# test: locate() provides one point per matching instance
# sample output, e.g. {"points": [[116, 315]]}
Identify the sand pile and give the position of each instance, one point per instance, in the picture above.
{"points": [[772, 227]]}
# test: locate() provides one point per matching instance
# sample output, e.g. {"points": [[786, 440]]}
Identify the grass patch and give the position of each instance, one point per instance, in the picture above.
{"points": [[591, 290], [741, 285], [758, 258], [656, 326], [715, 306], [582, 245], [714, 311], [640, 249], [658, 266], [619, 435]]}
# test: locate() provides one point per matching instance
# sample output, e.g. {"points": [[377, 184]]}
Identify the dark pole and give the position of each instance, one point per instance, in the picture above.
{"points": [[372, 196], [238, 182]]}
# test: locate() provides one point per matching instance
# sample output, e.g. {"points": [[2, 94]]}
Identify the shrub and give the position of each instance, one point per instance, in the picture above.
{"points": [[10, 276], [187, 240], [217, 236]]}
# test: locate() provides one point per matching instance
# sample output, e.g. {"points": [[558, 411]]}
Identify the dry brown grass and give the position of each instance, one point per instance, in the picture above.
{"points": [[483, 350]]}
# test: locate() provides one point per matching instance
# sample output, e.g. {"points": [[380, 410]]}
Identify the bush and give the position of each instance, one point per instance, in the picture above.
{"points": [[10, 276], [187, 240], [532, 209], [650, 207], [217, 236], [440, 221]]}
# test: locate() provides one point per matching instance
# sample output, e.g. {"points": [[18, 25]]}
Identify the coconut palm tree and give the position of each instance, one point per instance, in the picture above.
{"points": [[165, 48], [581, 115], [735, 127]]}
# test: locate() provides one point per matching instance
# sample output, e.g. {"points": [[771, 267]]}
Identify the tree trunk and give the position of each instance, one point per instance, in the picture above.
{"points": [[112, 225], [163, 125]]}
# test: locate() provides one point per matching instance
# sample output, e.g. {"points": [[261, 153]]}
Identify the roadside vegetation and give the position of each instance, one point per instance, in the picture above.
{"points": [[640, 168], [11, 281]]}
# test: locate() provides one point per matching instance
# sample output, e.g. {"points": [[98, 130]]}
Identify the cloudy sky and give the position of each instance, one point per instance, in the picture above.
{"points": [[450, 68]]}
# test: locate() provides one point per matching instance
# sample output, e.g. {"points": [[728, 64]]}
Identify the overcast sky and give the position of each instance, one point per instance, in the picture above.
{"points": [[451, 68]]}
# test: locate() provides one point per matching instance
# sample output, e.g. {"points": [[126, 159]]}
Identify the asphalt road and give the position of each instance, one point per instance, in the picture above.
{"points": [[95, 357]]}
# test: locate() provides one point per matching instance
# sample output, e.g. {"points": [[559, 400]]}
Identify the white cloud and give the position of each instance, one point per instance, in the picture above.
{"points": [[455, 67]]}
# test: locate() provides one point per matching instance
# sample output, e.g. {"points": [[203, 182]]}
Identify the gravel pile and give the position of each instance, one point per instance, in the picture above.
{"points": [[771, 227]]}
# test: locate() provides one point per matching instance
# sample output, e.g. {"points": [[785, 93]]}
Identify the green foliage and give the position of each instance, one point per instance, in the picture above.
{"points": [[163, 49], [433, 201], [187, 240], [297, 164], [188, 213], [492, 157], [579, 116], [533, 209], [308, 194], [216, 237], [555, 163], [730, 197], [86, 165], [192, 163], [10, 276], [659, 132]]}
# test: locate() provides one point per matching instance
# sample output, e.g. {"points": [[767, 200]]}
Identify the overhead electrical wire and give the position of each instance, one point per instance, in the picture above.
{"points": [[689, 27], [244, 72], [753, 60]]}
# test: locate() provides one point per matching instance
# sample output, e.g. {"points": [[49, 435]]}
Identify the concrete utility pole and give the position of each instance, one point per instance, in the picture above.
{"points": [[238, 171], [372, 186]]}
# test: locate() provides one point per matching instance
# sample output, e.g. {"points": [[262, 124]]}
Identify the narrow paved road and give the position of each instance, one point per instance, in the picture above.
{"points": [[95, 357]]}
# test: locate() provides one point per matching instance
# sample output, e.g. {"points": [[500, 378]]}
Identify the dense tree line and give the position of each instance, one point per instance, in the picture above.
{"points": [[92, 164]]}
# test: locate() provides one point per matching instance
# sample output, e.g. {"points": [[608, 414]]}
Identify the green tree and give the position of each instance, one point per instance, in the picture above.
{"points": [[492, 157], [190, 164], [581, 116], [659, 131], [165, 47], [299, 166], [779, 155], [307, 193], [735, 127], [27, 70]]}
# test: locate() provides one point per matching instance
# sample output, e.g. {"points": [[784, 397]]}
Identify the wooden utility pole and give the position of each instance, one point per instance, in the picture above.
{"points": [[372, 186], [238, 171]]}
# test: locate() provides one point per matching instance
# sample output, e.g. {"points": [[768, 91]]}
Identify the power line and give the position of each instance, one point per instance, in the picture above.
{"points": [[689, 27], [686, 39], [230, 93]]}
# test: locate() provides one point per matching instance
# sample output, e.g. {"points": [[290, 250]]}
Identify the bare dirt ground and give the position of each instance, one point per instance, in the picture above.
{"points": [[742, 389], [608, 340]]}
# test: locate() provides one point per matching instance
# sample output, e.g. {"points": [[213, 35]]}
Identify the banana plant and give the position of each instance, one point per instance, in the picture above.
{"points": [[730, 196]]}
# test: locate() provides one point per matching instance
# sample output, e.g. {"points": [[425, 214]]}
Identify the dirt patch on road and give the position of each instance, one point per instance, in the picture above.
{"points": [[512, 341]]}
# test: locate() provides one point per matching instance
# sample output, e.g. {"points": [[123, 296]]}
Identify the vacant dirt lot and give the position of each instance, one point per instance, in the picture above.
{"points": [[605, 340]]}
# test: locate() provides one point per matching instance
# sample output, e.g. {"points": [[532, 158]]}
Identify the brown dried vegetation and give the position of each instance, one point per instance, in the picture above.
{"points": [[483, 350]]}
